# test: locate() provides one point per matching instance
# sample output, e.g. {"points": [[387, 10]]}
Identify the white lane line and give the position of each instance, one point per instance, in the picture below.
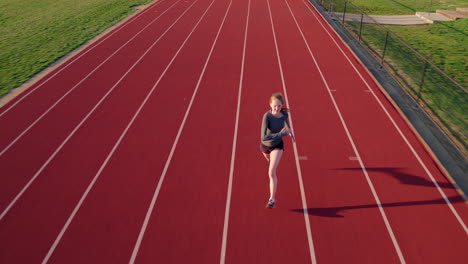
{"points": [[296, 155], [82, 122], [418, 158], [234, 146], [358, 156], [77, 58], [76, 85], [116, 145], [174, 145]]}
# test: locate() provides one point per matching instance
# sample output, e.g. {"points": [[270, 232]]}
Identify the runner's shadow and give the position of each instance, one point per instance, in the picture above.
{"points": [[405, 178], [338, 212]]}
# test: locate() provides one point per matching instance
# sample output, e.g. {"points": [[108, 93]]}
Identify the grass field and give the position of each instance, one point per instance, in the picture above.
{"points": [[406, 7], [34, 34], [447, 101], [445, 44]]}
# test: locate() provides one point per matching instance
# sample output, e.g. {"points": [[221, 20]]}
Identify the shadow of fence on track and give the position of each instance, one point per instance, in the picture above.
{"points": [[339, 212]]}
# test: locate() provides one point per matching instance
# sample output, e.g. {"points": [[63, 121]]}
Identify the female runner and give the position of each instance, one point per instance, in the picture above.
{"points": [[275, 126]]}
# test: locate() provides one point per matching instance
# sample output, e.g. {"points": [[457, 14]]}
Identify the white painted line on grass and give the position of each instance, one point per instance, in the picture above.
{"points": [[296, 155], [234, 146], [447, 201], [76, 85], [77, 58], [174, 145], [82, 122], [361, 163]]}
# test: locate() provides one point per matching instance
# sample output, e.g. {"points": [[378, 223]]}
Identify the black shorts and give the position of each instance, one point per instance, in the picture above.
{"points": [[267, 150]]}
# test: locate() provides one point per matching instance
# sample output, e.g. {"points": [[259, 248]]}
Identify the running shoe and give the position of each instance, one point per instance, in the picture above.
{"points": [[270, 204]]}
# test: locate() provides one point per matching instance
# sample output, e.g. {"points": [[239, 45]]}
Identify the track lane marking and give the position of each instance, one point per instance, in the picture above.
{"points": [[418, 158], [116, 145], [358, 156], [82, 122], [296, 155], [174, 145], [234, 146]]}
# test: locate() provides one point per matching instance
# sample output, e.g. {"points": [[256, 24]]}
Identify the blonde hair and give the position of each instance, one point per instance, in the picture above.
{"points": [[279, 97]]}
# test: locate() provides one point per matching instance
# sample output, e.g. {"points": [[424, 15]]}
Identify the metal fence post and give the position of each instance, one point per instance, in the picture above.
{"points": [[360, 27], [385, 48], [344, 11], [421, 84], [331, 6]]}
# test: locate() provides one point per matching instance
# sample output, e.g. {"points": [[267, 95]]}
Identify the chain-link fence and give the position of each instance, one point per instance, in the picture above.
{"points": [[445, 98]]}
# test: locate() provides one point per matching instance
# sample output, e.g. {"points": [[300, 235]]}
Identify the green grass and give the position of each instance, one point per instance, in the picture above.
{"points": [[34, 34], [445, 43], [406, 7], [446, 100]]}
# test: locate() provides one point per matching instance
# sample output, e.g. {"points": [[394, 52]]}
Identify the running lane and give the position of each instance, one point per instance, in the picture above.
{"points": [[324, 148], [127, 183], [255, 234], [413, 141], [59, 186], [186, 224], [425, 228], [39, 143]]}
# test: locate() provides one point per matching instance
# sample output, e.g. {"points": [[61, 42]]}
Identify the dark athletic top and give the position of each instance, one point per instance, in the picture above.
{"points": [[271, 134]]}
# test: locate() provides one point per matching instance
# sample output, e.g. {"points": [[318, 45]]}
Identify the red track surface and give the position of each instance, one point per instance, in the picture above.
{"points": [[144, 148]]}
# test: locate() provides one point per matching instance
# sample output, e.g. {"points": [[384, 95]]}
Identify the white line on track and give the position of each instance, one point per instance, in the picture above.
{"points": [[84, 120], [174, 145], [418, 158], [358, 156], [234, 146], [76, 85], [296, 155], [81, 55], [124, 133]]}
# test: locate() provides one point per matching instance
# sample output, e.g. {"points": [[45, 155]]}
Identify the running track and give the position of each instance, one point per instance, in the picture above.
{"points": [[143, 148]]}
